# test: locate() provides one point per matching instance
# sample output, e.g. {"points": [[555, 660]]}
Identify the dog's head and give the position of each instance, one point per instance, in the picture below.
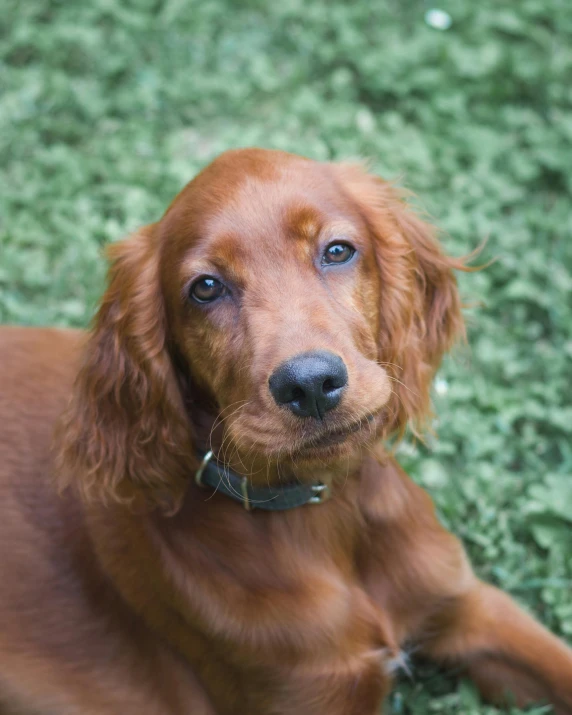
{"points": [[290, 310]]}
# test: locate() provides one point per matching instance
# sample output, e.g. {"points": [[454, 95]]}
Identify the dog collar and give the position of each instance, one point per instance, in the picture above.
{"points": [[270, 498]]}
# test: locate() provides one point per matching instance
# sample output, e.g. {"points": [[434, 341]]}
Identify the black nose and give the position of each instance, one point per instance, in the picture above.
{"points": [[309, 384]]}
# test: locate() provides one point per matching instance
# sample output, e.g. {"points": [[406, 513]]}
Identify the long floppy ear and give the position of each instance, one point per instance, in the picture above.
{"points": [[124, 437], [420, 309]]}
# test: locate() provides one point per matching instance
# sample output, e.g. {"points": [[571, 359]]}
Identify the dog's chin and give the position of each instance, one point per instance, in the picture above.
{"points": [[323, 456]]}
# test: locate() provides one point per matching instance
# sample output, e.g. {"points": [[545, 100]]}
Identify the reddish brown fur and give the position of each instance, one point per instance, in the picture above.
{"points": [[132, 590]]}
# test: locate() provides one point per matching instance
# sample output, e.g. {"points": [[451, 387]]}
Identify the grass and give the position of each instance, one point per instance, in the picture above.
{"points": [[109, 107]]}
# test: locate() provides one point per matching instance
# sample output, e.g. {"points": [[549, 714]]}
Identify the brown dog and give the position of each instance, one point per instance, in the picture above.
{"points": [[286, 315]]}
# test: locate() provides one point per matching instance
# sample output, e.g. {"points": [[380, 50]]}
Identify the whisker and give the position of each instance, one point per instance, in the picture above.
{"points": [[388, 364], [219, 418]]}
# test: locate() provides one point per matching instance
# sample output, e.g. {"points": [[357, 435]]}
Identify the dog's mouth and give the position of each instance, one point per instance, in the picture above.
{"points": [[311, 445], [331, 437], [336, 437]]}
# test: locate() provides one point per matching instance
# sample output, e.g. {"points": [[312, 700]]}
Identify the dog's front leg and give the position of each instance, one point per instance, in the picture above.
{"points": [[419, 574], [506, 652]]}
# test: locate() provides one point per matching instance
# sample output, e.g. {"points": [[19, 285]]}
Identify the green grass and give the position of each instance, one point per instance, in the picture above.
{"points": [[108, 108]]}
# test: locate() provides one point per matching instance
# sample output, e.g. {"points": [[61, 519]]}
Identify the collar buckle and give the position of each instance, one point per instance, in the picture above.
{"points": [[245, 496], [321, 493], [246, 503], [199, 473]]}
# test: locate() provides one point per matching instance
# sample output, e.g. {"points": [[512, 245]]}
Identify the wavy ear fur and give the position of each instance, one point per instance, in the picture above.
{"points": [[125, 437], [420, 313]]}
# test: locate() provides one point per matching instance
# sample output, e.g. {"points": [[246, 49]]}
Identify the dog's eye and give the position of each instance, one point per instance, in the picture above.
{"points": [[207, 289], [338, 253]]}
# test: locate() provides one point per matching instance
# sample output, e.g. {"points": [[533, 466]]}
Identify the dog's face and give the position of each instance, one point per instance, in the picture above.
{"points": [[297, 309], [273, 299]]}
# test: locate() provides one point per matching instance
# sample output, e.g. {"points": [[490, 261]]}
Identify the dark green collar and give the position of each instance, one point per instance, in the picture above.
{"points": [[270, 498]]}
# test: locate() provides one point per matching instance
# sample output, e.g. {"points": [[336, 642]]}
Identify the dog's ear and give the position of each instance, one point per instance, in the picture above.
{"points": [[125, 437], [420, 310]]}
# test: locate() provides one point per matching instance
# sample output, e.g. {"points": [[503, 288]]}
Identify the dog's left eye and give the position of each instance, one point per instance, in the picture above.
{"points": [[207, 289], [338, 253]]}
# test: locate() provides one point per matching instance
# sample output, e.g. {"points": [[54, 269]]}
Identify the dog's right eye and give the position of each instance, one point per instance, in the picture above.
{"points": [[206, 289]]}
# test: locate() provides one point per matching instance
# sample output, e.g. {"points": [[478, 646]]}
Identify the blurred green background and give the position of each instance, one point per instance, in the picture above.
{"points": [[107, 108]]}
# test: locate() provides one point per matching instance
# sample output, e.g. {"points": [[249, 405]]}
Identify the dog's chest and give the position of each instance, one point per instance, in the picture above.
{"points": [[288, 600]]}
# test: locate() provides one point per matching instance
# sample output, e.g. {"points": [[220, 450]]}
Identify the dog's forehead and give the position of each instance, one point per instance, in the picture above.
{"points": [[287, 205], [296, 204], [238, 211]]}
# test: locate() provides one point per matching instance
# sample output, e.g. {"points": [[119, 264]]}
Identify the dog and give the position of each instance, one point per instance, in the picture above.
{"points": [[216, 526]]}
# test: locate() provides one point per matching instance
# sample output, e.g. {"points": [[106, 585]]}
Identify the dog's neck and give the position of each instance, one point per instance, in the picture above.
{"points": [[259, 469]]}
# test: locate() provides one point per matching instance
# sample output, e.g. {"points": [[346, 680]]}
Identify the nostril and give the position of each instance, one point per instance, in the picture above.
{"points": [[328, 386], [297, 393]]}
